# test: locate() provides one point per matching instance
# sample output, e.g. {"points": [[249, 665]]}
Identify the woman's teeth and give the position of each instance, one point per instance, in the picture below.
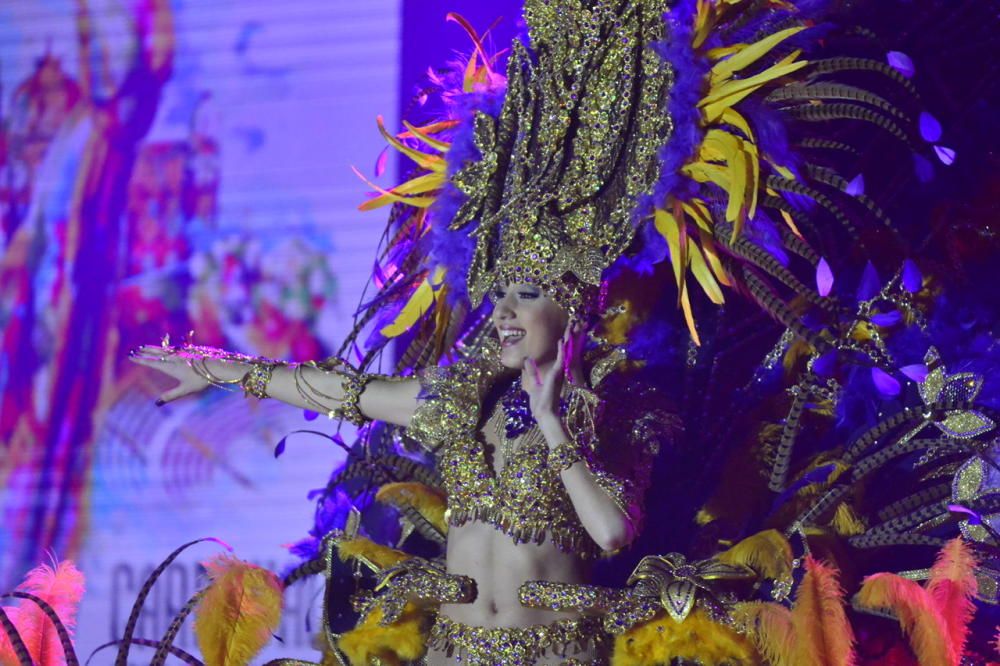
{"points": [[510, 336]]}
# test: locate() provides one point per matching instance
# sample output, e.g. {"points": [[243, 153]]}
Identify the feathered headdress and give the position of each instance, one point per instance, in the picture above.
{"points": [[627, 134]]}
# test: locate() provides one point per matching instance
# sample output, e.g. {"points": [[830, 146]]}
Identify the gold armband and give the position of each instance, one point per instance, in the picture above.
{"points": [[565, 455], [255, 382]]}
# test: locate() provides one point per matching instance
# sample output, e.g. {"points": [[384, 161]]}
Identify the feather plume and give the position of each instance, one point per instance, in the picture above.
{"points": [[238, 613], [766, 552], [374, 556], [661, 640], [61, 587], [770, 628], [402, 641], [428, 502], [918, 616], [823, 633], [952, 585]]}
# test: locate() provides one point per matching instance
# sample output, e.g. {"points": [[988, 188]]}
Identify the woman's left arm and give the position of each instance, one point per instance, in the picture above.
{"points": [[606, 520], [607, 523]]}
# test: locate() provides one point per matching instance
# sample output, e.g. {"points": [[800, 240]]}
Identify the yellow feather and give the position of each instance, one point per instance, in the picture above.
{"points": [[667, 225], [661, 640], [770, 628], [766, 552], [373, 555], [750, 54], [239, 613], [437, 144], [919, 618], [823, 634], [732, 92], [704, 275], [425, 160], [402, 641], [419, 303], [429, 502], [846, 522]]}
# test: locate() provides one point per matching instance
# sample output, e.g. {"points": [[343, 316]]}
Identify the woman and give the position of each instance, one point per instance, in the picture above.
{"points": [[534, 493]]}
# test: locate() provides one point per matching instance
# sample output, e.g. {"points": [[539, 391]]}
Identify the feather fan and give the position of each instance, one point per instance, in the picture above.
{"points": [[239, 612], [767, 552]]}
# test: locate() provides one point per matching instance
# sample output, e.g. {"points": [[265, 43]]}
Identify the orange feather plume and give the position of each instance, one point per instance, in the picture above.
{"points": [[61, 587], [815, 631], [952, 585], [935, 618]]}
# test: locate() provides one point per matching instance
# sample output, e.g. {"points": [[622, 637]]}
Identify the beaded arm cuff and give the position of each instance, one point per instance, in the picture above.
{"points": [[419, 581], [565, 455], [255, 382]]}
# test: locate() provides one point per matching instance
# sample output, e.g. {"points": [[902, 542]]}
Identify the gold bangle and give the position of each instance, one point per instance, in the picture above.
{"points": [[349, 408], [256, 380], [564, 455]]}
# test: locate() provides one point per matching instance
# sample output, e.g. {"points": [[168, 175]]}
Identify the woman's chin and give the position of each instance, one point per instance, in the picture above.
{"points": [[511, 358]]}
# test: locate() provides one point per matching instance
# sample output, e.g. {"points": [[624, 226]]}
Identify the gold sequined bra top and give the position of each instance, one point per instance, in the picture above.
{"points": [[526, 499]]}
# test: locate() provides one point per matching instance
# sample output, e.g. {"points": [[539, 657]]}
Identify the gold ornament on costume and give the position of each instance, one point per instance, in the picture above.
{"points": [[671, 583]]}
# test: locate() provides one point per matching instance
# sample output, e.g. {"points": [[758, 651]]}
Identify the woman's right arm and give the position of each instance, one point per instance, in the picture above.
{"points": [[389, 399]]}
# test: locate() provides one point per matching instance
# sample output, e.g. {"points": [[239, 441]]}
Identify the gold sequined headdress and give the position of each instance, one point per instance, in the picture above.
{"points": [[574, 144], [623, 116]]}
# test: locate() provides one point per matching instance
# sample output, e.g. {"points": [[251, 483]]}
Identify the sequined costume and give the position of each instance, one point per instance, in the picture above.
{"points": [[526, 499]]}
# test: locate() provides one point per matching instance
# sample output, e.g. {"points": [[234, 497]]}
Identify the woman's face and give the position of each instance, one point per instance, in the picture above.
{"points": [[529, 323]]}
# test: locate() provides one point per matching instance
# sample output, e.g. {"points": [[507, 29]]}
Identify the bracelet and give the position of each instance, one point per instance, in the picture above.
{"points": [[255, 382], [349, 409], [352, 385], [564, 455]]}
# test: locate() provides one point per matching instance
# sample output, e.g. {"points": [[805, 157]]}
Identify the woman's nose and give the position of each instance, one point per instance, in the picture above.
{"points": [[504, 308]]}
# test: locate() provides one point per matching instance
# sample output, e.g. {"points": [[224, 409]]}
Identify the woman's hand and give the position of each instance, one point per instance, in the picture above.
{"points": [[179, 365], [544, 388]]}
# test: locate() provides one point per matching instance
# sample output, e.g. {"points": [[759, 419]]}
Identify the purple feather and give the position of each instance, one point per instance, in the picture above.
{"points": [[917, 372], [930, 128], [857, 186], [902, 63], [886, 384], [870, 284], [974, 518], [923, 168], [887, 318], [824, 277], [945, 154], [913, 281]]}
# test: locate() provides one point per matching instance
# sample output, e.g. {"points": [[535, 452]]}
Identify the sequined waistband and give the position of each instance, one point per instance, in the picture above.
{"points": [[517, 646]]}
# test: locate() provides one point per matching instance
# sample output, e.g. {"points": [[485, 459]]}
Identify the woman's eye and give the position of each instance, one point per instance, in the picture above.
{"points": [[527, 295], [498, 295]]}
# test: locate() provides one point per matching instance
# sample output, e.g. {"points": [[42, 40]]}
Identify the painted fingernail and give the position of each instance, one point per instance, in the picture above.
{"points": [[160, 402]]}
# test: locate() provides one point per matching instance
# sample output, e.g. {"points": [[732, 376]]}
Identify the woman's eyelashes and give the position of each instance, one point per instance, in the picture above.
{"points": [[521, 294]]}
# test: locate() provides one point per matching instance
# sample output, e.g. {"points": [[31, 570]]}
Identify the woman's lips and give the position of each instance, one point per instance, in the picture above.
{"points": [[510, 336]]}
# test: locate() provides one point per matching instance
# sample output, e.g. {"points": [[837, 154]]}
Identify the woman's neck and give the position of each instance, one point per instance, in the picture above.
{"points": [[528, 371]]}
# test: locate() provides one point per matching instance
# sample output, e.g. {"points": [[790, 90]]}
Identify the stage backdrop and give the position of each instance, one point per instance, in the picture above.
{"points": [[167, 167]]}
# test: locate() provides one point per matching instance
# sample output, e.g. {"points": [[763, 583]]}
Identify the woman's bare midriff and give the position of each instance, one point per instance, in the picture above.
{"points": [[499, 567]]}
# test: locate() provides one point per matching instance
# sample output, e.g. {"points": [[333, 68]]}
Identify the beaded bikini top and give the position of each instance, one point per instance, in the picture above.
{"points": [[526, 499]]}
